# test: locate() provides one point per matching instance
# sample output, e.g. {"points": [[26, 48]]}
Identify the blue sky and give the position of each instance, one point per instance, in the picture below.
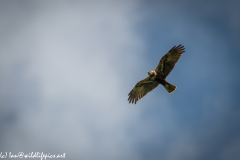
{"points": [[67, 67]]}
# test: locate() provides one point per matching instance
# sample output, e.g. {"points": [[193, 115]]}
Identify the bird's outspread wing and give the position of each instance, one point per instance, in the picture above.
{"points": [[141, 89], [169, 60]]}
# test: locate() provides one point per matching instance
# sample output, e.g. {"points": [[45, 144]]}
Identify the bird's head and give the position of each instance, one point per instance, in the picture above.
{"points": [[152, 73]]}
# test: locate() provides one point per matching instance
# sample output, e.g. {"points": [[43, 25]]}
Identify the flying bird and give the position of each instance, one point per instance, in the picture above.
{"points": [[157, 76]]}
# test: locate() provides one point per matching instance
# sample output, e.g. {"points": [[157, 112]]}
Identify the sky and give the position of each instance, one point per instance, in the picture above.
{"points": [[66, 68]]}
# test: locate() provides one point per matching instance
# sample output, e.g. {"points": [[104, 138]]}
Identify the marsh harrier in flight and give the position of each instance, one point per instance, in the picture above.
{"points": [[157, 76]]}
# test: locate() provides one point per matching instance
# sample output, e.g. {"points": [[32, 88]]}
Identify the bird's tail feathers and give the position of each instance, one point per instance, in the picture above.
{"points": [[169, 87]]}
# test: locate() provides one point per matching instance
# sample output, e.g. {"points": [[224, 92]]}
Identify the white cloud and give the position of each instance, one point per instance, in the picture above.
{"points": [[75, 55]]}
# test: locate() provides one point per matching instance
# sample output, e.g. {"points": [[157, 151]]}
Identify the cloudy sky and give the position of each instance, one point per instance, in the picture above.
{"points": [[66, 68]]}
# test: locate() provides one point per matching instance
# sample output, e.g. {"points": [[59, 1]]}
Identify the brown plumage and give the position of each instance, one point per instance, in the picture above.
{"points": [[158, 75]]}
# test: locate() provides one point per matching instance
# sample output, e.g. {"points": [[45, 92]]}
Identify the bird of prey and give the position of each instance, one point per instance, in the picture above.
{"points": [[157, 76]]}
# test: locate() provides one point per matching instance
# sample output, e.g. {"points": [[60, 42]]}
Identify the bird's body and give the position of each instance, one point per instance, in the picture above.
{"points": [[157, 76]]}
